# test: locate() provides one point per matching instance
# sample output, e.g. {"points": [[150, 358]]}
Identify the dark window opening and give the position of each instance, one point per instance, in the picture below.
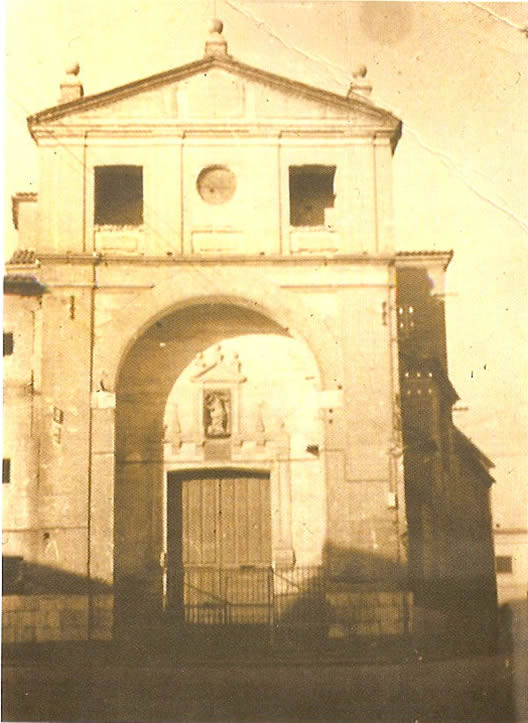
{"points": [[6, 471], [504, 564], [8, 344], [118, 195], [311, 193]]}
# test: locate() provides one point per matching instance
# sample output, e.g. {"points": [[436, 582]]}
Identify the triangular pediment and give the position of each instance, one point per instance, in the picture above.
{"points": [[214, 89], [217, 370]]}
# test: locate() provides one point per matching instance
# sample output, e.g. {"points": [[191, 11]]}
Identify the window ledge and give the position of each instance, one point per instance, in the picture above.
{"points": [[313, 229], [119, 239], [109, 227]]}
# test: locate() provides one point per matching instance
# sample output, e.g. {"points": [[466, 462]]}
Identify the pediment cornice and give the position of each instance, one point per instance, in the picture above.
{"points": [[64, 118]]}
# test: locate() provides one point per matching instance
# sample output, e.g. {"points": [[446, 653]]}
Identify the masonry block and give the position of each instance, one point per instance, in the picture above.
{"points": [[26, 634], [45, 633], [71, 619], [8, 603], [102, 624], [76, 602]]}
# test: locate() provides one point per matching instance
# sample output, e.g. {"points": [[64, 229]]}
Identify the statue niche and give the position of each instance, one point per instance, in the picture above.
{"points": [[217, 413]]}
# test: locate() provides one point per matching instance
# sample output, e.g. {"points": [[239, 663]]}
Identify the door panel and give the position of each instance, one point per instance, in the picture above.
{"points": [[255, 551], [219, 537], [228, 521], [208, 543], [241, 522]]}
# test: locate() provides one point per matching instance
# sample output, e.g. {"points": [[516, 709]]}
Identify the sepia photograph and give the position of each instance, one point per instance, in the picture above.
{"points": [[265, 361]]}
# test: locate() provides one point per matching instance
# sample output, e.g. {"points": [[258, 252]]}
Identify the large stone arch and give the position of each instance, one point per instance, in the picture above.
{"points": [[139, 472], [243, 287]]}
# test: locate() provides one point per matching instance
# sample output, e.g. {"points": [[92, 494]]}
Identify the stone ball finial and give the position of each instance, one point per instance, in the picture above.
{"points": [[71, 87], [360, 84], [72, 68], [216, 44], [360, 72], [216, 26]]}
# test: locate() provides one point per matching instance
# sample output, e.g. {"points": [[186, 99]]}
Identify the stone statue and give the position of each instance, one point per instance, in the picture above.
{"points": [[216, 413]]}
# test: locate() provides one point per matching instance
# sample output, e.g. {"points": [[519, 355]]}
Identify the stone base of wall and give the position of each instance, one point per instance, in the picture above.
{"points": [[47, 618], [368, 612]]}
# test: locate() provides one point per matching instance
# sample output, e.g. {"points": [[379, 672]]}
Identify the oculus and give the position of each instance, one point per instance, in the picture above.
{"points": [[216, 184]]}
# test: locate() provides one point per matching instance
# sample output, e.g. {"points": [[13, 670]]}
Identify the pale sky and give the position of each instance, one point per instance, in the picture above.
{"points": [[455, 73]]}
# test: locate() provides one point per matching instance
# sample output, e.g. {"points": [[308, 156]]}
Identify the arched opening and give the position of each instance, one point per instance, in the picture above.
{"points": [[176, 452]]}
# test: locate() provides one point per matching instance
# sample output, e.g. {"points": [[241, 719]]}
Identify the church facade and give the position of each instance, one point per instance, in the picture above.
{"points": [[226, 393]]}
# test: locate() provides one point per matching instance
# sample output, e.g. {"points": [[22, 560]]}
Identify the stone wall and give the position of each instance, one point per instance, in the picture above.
{"points": [[46, 618], [371, 613]]}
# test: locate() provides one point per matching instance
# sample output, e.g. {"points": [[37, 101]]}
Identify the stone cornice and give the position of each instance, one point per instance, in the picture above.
{"points": [[354, 103], [175, 132], [420, 258], [224, 260], [424, 258], [513, 531]]}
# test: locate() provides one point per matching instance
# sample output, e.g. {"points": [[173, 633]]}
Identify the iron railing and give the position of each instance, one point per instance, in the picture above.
{"points": [[292, 602], [254, 595]]}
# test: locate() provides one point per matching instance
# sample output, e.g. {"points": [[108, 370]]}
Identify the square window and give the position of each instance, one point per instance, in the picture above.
{"points": [[6, 471], [8, 344], [311, 193], [118, 196], [504, 564]]}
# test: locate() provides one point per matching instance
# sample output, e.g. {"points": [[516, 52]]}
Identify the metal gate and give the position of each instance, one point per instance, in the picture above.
{"points": [[228, 596]]}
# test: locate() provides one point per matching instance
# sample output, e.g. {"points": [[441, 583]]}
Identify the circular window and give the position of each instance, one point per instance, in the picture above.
{"points": [[216, 184]]}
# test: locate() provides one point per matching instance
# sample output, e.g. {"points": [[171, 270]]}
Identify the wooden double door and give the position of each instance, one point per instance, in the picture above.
{"points": [[219, 546]]}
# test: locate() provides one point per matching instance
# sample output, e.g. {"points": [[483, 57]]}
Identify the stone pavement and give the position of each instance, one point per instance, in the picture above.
{"points": [[71, 684]]}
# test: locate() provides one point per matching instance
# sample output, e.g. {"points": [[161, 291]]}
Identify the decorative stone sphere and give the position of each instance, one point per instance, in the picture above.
{"points": [[360, 72], [72, 68], [216, 26]]}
